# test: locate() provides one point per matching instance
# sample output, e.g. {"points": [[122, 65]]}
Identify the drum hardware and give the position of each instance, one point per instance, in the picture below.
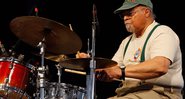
{"points": [[3, 50], [59, 73], [90, 77], [41, 70], [11, 62], [41, 82], [20, 58]]}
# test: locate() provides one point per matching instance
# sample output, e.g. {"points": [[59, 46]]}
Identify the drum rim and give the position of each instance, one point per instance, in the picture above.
{"points": [[15, 60], [10, 89]]}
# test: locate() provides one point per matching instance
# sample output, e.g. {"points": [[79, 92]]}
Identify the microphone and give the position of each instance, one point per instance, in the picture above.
{"points": [[94, 12], [3, 50], [95, 17]]}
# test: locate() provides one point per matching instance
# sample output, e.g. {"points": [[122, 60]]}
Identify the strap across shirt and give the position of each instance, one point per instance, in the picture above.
{"points": [[143, 50]]}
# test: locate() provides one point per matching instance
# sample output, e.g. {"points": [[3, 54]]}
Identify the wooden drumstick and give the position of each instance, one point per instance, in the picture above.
{"points": [[84, 73], [75, 71]]}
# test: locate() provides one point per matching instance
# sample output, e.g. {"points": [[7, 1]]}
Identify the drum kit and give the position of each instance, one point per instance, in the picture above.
{"points": [[54, 41]]}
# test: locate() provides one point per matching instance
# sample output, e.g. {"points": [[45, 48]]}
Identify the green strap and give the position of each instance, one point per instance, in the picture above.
{"points": [[143, 54], [127, 46], [143, 51]]}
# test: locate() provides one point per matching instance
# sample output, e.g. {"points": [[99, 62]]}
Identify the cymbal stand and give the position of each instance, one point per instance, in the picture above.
{"points": [[59, 73], [41, 70], [90, 83]]}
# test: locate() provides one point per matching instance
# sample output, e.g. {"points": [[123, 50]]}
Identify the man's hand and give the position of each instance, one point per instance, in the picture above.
{"points": [[82, 55], [108, 74]]}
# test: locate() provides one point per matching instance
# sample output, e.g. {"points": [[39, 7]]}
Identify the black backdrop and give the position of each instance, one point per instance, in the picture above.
{"points": [[78, 13]]}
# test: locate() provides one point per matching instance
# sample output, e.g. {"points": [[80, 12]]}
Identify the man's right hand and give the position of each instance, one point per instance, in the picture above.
{"points": [[82, 55]]}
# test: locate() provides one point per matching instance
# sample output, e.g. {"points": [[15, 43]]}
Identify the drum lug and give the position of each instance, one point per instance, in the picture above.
{"points": [[11, 62]]}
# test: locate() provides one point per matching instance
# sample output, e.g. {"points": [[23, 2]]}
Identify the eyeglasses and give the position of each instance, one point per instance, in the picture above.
{"points": [[127, 13]]}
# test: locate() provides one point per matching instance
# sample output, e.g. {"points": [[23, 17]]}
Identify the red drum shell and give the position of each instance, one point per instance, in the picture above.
{"points": [[14, 76]]}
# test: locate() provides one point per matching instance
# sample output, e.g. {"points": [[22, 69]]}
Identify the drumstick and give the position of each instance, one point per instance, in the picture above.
{"points": [[75, 71], [84, 73]]}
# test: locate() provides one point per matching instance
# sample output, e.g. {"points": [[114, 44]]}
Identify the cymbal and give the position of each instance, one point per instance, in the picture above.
{"points": [[59, 39], [56, 58], [84, 63]]}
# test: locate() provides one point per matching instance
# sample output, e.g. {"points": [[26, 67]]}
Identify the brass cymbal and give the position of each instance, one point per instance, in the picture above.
{"points": [[84, 63], [56, 58], [59, 39]]}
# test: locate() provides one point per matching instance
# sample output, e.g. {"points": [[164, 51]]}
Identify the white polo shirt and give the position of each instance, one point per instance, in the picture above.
{"points": [[163, 42]]}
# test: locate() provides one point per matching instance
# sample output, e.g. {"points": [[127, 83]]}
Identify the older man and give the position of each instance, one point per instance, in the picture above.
{"points": [[149, 60]]}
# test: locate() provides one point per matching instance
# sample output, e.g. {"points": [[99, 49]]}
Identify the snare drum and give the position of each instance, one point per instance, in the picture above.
{"points": [[55, 90], [14, 78]]}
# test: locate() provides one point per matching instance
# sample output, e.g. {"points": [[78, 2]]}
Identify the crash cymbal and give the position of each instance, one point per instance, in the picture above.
{"points": [[84, 63], [59, 39]]}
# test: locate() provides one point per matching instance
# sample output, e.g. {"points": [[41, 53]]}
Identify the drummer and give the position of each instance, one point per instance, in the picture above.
{"points": [[150, 66]]}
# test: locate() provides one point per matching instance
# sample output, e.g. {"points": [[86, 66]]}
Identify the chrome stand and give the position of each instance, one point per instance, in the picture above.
{"points": [[41, 70], [59, 73], [90, 77]]}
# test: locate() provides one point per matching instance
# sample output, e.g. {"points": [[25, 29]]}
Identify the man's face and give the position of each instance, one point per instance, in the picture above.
{"points": [[134, 19]]}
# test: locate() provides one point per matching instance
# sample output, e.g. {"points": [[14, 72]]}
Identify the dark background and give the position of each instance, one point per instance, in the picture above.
{"points": [[78, 13]]}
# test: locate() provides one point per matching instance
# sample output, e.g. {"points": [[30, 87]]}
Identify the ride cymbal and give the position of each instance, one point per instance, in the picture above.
{"points": [[58, 38], [84, 63]]}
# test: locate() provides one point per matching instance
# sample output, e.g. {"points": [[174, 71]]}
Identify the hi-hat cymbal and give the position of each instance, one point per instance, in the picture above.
{"points": [[84, 63], [59, 39], [56, 58]]}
